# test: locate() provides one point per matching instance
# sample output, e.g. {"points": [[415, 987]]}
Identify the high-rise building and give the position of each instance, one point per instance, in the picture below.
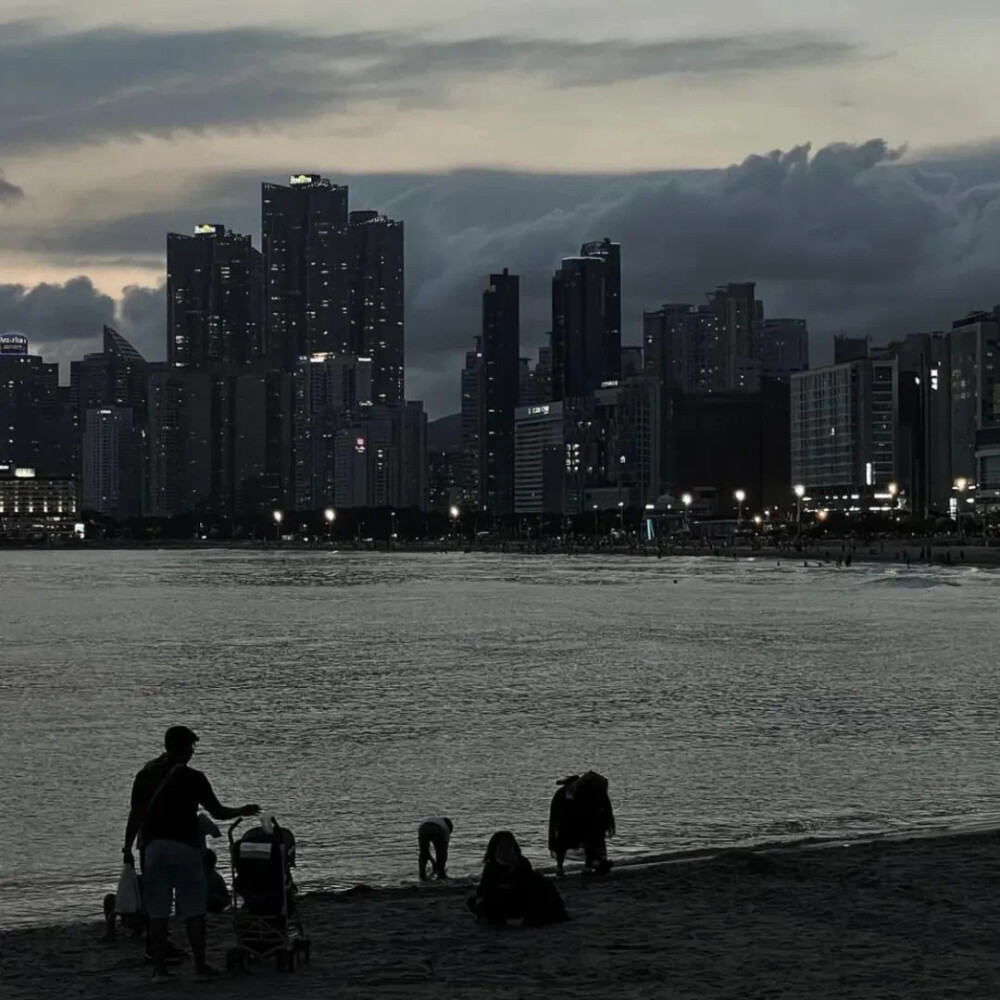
{"points": [[535, 381], [179, 476], [579, 329], [214, 299], [307, 259], [738, 440], [328, 390], [412, 455], [631, 362], [974, 350], [539, 458], [472, 393], [781, 347], [376, 301], [498, 400], [117, 377], [37, 429], [683, 347], [845, 437], [112, 482], [611, 254], [737, 310]]}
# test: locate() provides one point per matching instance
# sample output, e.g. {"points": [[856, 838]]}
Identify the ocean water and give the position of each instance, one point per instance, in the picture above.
{"points": [[352, 694]]}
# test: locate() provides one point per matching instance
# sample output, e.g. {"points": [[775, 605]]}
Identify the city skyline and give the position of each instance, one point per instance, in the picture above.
{"points": [[502, 147]]}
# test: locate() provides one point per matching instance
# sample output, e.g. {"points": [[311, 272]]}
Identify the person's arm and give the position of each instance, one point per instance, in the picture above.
{"points": [[217, 810], [135, 815]]}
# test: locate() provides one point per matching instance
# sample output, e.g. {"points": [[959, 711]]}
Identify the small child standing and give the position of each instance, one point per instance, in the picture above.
{"points": [[434, 831]]}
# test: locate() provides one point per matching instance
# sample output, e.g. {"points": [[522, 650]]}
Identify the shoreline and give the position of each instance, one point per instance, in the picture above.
{"points": [[911, 553], [898, 915]]}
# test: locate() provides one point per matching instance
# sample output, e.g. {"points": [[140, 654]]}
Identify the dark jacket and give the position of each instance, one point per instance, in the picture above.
{"points": [[580, 811]]}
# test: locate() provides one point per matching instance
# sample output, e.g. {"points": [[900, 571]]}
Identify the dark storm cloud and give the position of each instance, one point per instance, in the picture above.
{"points": [[9, 193], [60, 321], [847, 237], [112, 82]]}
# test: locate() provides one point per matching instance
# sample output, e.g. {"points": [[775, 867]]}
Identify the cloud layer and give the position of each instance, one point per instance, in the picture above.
{"points": [[9, 193], [847, 236], [112, 82]]}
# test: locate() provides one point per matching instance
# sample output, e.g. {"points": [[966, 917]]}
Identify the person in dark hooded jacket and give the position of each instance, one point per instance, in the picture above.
{"points": [[511, 889], [581, 817]]}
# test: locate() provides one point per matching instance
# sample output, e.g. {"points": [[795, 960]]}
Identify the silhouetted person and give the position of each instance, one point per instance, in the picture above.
{"points": [[217, 892], [511, 889], [166, 795], [435, 831], [581, 816]]}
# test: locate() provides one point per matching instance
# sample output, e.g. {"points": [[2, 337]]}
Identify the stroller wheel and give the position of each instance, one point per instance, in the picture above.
{"points": [[234, 960]]}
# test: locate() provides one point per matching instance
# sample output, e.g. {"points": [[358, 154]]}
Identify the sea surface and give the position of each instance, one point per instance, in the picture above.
{"points": [[351, 694]]}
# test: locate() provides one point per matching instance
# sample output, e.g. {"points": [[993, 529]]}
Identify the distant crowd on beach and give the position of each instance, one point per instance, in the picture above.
{"points": [[178, 871]]}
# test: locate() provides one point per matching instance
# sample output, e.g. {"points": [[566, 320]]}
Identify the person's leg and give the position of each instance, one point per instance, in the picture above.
{"points": [[424, 843], [158, 927], [158, 885], [197, 936], [441, 857], [192, 900], [560, 860]]}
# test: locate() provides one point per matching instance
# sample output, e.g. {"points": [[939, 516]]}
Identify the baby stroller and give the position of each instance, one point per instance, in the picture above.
{"points": [[265, 917]]}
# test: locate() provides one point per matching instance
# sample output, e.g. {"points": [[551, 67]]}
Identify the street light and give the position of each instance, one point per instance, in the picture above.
{"points": [[687, 500], [740, 495], [331, 515], [596, 526], [800, 492], [278, 518], [893, 494], [455, 513]]}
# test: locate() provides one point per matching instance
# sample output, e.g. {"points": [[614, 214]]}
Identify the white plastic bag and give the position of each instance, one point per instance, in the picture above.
{"points": [[127, 897]]}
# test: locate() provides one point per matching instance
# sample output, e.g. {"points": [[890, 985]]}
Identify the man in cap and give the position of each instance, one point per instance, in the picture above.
{"points": [[166, 795]]}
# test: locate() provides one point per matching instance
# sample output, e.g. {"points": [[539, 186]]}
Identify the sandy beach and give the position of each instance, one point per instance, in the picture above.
{"points": [[911, 919]]}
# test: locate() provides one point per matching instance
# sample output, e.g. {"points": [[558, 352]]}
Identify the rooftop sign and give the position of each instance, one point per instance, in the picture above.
{"points": [[13, 343]]}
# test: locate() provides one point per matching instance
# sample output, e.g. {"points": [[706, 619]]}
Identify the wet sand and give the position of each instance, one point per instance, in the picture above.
{"points": [[908, 919]]}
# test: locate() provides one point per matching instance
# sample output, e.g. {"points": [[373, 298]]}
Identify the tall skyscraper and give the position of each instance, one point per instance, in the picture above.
{"points": [[117, 377], [179, 444], [307, 255], [579, 329], [214, 299], [328, 389], [498, 400], [112, 462], [611, 254], [376, 301], [682, 347], [472, 393], [737, 309]]}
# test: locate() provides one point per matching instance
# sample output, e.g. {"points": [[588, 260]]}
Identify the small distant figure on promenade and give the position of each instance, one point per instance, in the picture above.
{"points": [[434, 831], [163, 819], [581, 817], [510, 889]]}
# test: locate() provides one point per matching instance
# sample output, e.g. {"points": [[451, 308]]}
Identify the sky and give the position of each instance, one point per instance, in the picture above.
{"points": [[843, 154]]}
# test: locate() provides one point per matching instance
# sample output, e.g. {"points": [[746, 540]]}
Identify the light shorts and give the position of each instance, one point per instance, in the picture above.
{"points": [[171, 869]]}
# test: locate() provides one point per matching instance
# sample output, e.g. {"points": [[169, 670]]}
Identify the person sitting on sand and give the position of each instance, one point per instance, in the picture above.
{"points": [[166, 795], [511, 889], [434, 831], [581, 816], [217, 898]]}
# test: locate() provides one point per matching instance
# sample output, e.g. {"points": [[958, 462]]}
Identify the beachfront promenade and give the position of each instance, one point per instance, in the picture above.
{"points": [[904, 919]]}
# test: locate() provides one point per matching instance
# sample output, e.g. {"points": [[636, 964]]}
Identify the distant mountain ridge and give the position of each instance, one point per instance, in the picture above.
{"points": [[445, 433]]}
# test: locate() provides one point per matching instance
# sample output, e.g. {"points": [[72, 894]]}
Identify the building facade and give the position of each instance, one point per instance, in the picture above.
{"points": [[215, 284], [307, 259], [113, 466], [376, 301], [498, 398]]}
